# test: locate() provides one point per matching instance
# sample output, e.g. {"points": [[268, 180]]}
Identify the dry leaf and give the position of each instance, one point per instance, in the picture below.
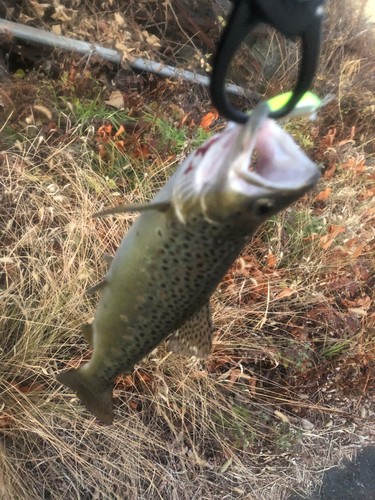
{"points": [[271, 260], [323, 195], [198, 375], [120, 145], [56, 28], [326, 241], [104, 132], [140, 151], [253, 385], [5, 420], [60, 14], [287, 292], [40, 7], [153, 40], [327, 141], [368, 193], [103, 27], [328, 174], [116, 100], [357, 252], [351, 242], [120, 131], [312, 237], [207, 120], [119, 19], [234, 376]]}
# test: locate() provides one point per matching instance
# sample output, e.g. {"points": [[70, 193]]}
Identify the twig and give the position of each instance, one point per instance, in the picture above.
{"points": [[113, 56]]}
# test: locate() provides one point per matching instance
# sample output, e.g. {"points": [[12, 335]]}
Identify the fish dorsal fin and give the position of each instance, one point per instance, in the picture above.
{"points": [[161, 206], [194, 338], [95, 288], [88, 332], [108, 259]]}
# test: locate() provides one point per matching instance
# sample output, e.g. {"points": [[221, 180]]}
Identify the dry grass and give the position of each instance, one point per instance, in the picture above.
{"points": [[240, 424]]}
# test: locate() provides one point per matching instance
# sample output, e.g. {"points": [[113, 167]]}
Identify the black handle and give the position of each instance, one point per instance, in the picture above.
{"points": [[292, 18]]}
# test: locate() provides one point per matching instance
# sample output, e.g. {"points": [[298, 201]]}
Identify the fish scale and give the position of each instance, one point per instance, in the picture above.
{"points": [[180, 247]]}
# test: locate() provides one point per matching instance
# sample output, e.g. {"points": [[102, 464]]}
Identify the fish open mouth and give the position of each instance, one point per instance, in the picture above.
{"points": [[276, 161]]}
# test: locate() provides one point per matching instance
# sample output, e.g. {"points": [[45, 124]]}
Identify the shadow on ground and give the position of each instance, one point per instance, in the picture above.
{"points": [[355, 481]]}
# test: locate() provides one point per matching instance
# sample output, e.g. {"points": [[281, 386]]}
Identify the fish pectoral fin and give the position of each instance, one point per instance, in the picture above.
{"points": [[87, 330], [95, 288], [194, 338], [108, 259], [161, 206], [98, 402]]}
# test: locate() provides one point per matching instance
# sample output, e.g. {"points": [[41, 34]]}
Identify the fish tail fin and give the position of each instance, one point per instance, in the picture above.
{"points": [[98, 402]]}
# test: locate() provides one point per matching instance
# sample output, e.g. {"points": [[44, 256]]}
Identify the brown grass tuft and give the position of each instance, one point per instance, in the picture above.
{"points": [[288, 388]]}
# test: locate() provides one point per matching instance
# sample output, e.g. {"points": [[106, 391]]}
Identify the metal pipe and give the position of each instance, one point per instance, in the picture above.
{"points": [[43, 37]]}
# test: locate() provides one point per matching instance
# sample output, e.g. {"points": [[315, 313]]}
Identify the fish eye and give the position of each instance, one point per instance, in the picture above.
{"points": [[263, 206]]}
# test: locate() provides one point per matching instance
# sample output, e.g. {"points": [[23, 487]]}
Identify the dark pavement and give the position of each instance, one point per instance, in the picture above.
{"points": [[356, 481]]}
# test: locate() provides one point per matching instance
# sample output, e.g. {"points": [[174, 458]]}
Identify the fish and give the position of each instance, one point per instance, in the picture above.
{"points": [[179, 248]]}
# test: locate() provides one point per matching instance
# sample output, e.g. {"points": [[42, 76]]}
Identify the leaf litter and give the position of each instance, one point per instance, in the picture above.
{"points": [[292, 367]]}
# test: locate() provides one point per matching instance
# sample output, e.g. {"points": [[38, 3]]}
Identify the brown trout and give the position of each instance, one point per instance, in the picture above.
{"points": [[180, 247]]}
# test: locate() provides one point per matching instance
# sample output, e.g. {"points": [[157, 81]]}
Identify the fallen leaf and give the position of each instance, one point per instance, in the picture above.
{"points": [[120, 145], [153, 40], [144, 377], [60, 14], [56, 28], [323, 195], [140, 151], [40, 7], [116, 100], [207, 120], [253, 385], [326, 241], [287, 292], [271, 260], [351, 242], [5, 420], [312, 237], [334, 229], [119, 19], [357, 252], [34, 387], [123, 382], [357, 310], [120, 131], [103, 27], [199, 374], [327, 141], [328, 174], [104, 131], [367, 193], [234, 376], [352, 164]]}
